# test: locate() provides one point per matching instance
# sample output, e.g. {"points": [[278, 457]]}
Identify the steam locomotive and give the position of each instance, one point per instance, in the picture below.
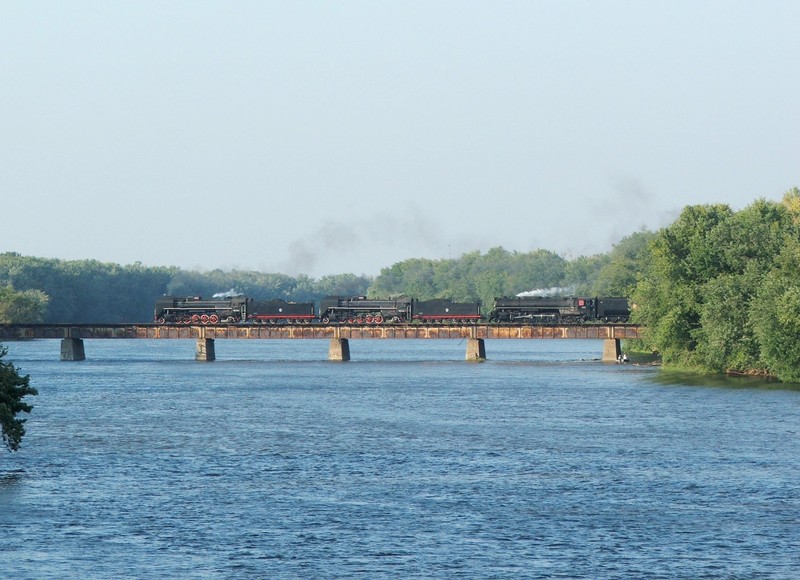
{"points": [[559, 310], [402, 310]]}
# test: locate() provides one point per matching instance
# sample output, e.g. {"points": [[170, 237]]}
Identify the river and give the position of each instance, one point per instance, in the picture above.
{"points": [[406, 461]]}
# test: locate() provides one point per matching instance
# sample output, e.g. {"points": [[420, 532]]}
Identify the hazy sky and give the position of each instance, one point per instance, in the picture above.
{"points": [[331, 137]]}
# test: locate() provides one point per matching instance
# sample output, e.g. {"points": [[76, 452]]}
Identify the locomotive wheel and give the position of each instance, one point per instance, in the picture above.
{"points": [[195, 318], [325, 320], [213, 319], [377, 319], [204, 319], [161, 321], [351, 321], [368, 319]]}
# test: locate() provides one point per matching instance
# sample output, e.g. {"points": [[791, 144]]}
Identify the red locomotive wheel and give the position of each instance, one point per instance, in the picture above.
{"points": [[378, 319], [195, 318], [213, 319], [204, 319]]}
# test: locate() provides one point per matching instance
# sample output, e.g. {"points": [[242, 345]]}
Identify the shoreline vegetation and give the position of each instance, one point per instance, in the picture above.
{"points": [[717, 291]]}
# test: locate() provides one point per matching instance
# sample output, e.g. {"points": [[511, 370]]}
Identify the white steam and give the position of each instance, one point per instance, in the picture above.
{"points": [[229, 294], [554, 291]]}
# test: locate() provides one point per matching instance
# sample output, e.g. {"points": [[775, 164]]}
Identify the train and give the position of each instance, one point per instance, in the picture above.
{"points": [[361, 310]]}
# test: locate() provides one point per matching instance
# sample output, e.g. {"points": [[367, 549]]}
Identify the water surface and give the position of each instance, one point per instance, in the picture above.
{"points": [[406, 461]]}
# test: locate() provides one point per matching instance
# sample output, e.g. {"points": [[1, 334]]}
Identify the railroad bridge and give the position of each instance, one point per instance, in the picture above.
{"points": [[73, 335]]}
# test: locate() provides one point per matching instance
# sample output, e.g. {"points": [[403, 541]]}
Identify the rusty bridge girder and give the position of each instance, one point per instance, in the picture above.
{"points": [[317, 331]]}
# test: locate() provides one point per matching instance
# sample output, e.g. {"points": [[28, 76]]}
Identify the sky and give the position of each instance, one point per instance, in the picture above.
{"points": [[342, 137]]}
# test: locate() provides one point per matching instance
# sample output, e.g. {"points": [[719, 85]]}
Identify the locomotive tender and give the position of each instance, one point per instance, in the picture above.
{"points": [[401, 310]]}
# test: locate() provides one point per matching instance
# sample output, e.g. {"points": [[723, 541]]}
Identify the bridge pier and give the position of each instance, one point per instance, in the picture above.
{"points": [[339, 349], [205, 349], [476, 350], [611, 350], [72, 349]]}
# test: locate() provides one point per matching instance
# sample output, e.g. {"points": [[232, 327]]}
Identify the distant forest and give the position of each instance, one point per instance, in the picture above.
{"points": [[718, 290]]}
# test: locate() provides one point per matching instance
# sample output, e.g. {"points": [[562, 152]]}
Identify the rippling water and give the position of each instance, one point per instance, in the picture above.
{"points": [[406, 461]]}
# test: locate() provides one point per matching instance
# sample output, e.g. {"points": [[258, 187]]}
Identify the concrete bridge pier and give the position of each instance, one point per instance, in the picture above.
{"points": [[611, 350], [72, 349], [205, 349], [339, 349], [476, 350]]}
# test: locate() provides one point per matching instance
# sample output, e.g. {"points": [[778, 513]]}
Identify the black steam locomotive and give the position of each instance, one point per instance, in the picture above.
{"points": [[559, 309], [196, 310]]}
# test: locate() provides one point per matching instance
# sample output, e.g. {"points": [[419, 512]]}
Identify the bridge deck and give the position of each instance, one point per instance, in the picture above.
{"points": [[317, 331]]}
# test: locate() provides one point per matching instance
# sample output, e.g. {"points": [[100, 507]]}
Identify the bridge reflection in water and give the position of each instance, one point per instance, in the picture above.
{"points": [[72, 335]]}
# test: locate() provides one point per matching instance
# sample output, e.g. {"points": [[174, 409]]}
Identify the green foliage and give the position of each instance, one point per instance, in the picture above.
{"points": [[776, 314], [13, 388], [581, 273], [86, 290], [791, 201], [265, 286], [725, 338], [25, 306], [619, 273], [716, 292]]}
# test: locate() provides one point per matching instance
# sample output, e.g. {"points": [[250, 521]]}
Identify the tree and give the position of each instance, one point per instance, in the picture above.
{"points": [[668, 296], [26, 306], [721, 291], [618, 276], [776, 314], [13, 387]]}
